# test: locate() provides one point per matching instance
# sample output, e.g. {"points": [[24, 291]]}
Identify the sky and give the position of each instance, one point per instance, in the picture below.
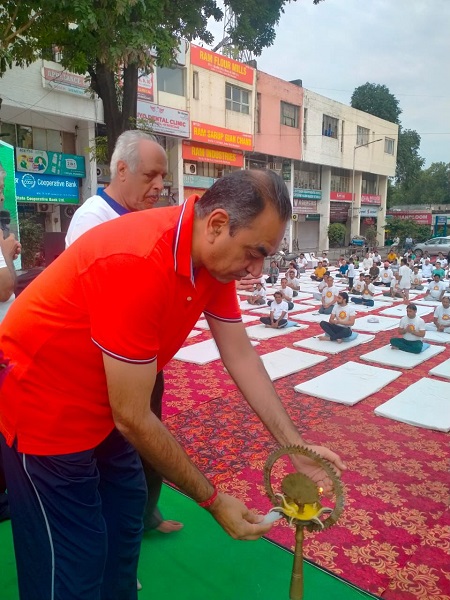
{"points": [[339, 45]]}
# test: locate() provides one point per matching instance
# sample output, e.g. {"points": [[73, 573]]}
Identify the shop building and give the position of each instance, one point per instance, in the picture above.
{"points": [[348, 156]]}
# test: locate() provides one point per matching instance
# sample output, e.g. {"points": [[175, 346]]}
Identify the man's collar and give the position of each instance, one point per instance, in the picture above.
{"points": [[118, 208], [182, 246]]}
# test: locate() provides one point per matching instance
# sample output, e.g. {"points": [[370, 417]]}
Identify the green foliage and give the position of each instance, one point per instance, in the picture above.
{"points": [[377, 100], [409, 163], [432, 186], [336, 233], [406, 227], [31, 239], [371, 235]]}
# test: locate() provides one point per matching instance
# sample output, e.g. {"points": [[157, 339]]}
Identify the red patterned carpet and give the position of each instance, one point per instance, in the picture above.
{"points": [[394, 536]]}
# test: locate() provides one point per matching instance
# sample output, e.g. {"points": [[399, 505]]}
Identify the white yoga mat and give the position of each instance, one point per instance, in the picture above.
{"points": [[425, 403], [303, 296], [317, 345], [348, 384], [427, 302], [437, 336], [310, 317], [203, 323], [286, 361], [400, 311], [398, 358], [260, 332], [383, 324], [194, 333], [201, 353], [442, 370]]}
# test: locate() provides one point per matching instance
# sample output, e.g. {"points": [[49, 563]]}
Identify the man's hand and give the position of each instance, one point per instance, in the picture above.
{"points": [[10, 247], [312, 469], [237, 520]]}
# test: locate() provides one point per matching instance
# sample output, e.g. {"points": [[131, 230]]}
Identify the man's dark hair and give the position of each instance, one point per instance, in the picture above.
{"points": [[412, 307], [244, 195], [344, 295]]}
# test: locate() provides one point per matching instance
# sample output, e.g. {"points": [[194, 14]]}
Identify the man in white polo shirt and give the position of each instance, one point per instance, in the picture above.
{"points": [[412, 330], [341, 320], [427, 269], [329, 296], [416, 279], [436, 289], [367, 292], [278, 313]]}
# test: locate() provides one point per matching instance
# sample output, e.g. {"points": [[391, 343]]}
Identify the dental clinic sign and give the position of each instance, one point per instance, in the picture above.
{"points": [[44, 188]]}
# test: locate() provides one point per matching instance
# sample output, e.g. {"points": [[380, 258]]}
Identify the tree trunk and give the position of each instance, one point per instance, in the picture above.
{"points": [[129, 100]]}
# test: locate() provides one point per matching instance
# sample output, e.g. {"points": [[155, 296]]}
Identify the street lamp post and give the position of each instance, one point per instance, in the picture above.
{"points": [[355, 148]]}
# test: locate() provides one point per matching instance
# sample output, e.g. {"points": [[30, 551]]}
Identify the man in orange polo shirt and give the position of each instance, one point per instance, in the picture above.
{"points": [[74, 410]]}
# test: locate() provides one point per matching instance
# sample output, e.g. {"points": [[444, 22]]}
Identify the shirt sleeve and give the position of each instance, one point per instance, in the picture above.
{"points": [[224, 304]]}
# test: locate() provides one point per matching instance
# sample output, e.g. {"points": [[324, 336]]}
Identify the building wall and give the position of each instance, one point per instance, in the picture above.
{"points": [[338, 152], [275, 138]]}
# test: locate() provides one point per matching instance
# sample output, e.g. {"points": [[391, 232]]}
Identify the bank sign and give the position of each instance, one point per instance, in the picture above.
{"points": [[45, 188], [49, 163]]}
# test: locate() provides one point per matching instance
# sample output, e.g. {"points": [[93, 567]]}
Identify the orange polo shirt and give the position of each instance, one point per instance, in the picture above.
{"points": [[125, 288]]}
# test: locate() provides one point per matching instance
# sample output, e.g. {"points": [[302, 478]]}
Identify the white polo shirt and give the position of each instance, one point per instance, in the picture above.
{"points": [[328, 295], [416, 324], [435, 289], [343, 313], [427, 270], [386, 275], [405, 277], [279, 309], [442, 315], [93, 212], [287, 291]]}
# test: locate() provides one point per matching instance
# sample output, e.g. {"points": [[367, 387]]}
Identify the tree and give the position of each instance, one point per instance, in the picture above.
{"points": [[111, 40], [432, 186], [409, 163], [336, 233], [31, 238], [376, 99], [407, 227]]}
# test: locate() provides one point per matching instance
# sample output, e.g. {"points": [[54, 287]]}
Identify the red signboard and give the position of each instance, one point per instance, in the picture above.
{"points": [[341, 196], [209, 134], [212, 154], [304, 207], [370, 199], [221, 64], [421, 218]]}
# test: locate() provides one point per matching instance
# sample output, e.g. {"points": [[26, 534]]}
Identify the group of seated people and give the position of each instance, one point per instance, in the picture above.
{"points": [[362, 288]]}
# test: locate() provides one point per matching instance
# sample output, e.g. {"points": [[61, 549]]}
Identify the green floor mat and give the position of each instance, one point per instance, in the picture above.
{"points": [[202, 563]]}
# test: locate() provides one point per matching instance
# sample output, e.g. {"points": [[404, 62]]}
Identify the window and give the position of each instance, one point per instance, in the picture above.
{"points": [[362, 135], [340, 180], [306, 176], [195, 86], [289, 114], [170, 80], [8, 131], [330, 126], [237, 99], [369, 184], [389, 145], [25, 137], [214, 170]]}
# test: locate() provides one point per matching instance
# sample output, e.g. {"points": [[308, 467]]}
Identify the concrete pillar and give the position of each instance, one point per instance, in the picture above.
{"points": [[86, 139], [356, 206], [381, 219], [324, 209]]}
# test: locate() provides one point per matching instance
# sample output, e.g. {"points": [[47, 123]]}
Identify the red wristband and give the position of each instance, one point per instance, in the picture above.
{"points": [[207, 503]]}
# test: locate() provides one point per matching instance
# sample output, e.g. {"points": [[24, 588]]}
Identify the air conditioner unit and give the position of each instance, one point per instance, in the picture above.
{"points": [[69, 211], [190, 168], [295, 217], [45, 208]]}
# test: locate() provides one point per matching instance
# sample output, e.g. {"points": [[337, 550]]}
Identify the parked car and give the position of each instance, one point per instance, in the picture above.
{"points": [[434, 246]]}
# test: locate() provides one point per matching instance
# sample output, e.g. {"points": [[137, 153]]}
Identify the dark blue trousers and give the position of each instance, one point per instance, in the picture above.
{"points": [[77, 521]]}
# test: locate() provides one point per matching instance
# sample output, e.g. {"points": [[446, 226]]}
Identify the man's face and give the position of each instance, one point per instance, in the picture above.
{"points": [[229, 258], [284, 282], [340, 300], [141, 189], [319, 264], [437, 278], [411, 313], [278, 298], [330, 281], [367, 279], [445, 301]]}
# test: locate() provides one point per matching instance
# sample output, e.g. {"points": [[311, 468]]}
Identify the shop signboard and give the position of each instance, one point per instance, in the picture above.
{"points": [[369, 211], [164, 120], [50, 163], [221, 64], [211, 154], [341, 196], [218, 136], [8, 190], [307, 194], [46, 188], [198, 181], [303, 207], [338, 212], [145, 86], [370, 199], [313, 217], [64, 81], [421, 218]]}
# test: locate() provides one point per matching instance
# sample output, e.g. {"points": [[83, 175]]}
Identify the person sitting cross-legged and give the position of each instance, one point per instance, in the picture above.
{"points": [[412, 329], [293, 282], [436, 289], [386, 275], [416, 279], [278, 313], [394, 290], [258, 295], [441, 317], [367, 292], [329, 296], [319, 272], [274, 273], [341, 320], [357, 286], [286, 292]]}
